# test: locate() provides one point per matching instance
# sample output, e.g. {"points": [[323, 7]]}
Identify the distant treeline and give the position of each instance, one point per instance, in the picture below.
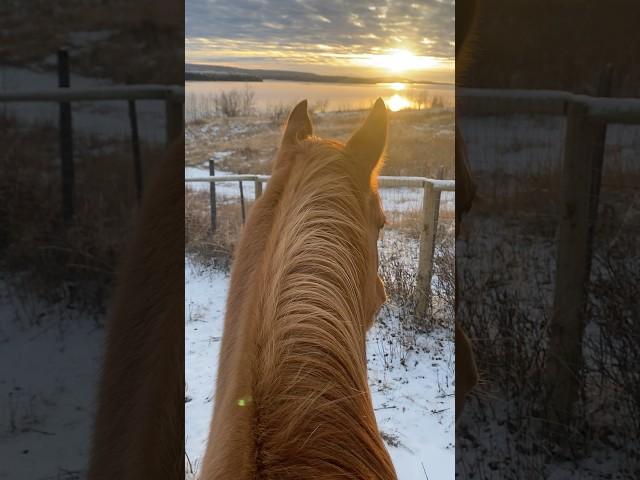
{"points": [[286, 75], [220, 77]]}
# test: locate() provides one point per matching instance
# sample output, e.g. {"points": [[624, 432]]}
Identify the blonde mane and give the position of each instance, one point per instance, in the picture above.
{"points": [[292, 399]]}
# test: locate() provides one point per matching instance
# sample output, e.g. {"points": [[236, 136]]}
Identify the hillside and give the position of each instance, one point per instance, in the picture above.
{"points": [[192, 69]]}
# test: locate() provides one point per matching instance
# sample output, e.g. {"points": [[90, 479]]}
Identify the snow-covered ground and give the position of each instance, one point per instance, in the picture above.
{"points": [[413, 391], [506, 259], [48, 369]]}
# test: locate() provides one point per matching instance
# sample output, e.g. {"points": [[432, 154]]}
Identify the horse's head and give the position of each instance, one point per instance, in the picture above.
{"points": [[346, 174]]}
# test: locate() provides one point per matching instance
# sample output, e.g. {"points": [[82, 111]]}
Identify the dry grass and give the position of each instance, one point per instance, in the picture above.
{"points": [[64, 263], [420, 142], [144, 45], [506, 259], [213, 249]]}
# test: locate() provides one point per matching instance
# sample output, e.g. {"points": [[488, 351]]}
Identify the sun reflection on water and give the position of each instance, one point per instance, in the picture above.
{"points": [[398, 102]]}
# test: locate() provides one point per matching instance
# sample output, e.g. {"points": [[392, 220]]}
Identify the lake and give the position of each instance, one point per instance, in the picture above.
{"points": [[324, 96]]}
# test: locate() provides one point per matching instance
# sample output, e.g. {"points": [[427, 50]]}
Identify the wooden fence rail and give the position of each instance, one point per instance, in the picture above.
{"points": [[484, 101], [428, 228]]}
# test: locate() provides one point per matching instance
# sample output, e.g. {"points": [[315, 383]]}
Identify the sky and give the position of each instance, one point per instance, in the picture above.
{"points": [[410, 38]]}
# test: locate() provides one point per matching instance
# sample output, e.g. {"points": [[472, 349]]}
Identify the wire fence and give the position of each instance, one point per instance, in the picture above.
{"points": [[416, 205], [550, 153]]}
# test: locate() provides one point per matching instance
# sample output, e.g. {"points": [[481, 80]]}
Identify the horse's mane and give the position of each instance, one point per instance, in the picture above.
{"points": [[313, 413], [292, 399]]}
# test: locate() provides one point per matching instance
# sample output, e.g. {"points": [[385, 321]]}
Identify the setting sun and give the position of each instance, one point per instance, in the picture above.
{"points": [[397, 61]]}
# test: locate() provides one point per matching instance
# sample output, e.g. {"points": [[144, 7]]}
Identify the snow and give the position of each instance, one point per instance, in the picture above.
{"points": [[48, 371], [412, 391], [205, 298], [229, 190], [402, 199], [414, 403]]}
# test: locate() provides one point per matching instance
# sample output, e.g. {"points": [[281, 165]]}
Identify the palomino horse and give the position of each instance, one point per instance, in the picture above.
{"points": [[466, 371], [139, 427], [292, 399]]}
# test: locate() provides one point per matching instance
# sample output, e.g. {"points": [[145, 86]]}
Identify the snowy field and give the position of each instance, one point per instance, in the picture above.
{"points": [[507, 260], [49, 358], [413, 391]]}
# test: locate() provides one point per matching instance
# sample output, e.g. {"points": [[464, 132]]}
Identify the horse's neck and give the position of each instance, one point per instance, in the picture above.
{"points": [[292, 386], [310, 385]]}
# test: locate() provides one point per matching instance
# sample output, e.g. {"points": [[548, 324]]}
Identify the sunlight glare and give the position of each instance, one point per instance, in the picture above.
{"points": [[400, 61], [398, 102], [397, 86]]}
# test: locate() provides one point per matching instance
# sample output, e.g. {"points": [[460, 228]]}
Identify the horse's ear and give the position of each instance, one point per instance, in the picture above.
{"points": [[368, 142], [298, 125]]}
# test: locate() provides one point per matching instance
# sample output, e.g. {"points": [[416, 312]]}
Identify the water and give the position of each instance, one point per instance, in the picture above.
{"points": [[321, 96]]}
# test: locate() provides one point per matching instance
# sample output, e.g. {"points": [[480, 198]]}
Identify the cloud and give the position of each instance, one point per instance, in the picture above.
{"points": [[318, 30]]}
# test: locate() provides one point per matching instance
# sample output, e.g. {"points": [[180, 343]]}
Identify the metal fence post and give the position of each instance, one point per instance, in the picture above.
{"points": [[212, 197], [242, 201], [135, 146], [430, 207], [66, 140]]}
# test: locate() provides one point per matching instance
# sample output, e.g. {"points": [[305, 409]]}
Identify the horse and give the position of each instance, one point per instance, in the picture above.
{"points": [[292, 399], [466, 369], [139, 425]]}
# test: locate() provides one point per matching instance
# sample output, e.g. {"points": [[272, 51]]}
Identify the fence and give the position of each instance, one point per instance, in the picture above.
{"points": [[587, 119], [173, 97], [432, 192]]}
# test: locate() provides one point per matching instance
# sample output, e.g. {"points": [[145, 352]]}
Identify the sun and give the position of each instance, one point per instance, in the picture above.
{"points": [[397, 61], [400, 60]]}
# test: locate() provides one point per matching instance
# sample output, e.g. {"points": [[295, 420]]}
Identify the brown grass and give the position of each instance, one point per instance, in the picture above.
{"points": [[143, 47], [210, 248], [420, 142], [72, 263]]}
